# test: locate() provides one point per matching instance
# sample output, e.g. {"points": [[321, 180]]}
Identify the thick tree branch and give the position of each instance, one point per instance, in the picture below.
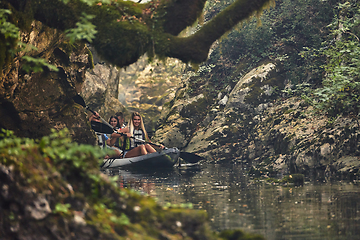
{"points": [[195, 48], [127, 30], [181, 14]]}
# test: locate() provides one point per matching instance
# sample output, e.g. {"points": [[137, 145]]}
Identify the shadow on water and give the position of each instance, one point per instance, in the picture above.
{"points": [[146, 180], [316, 210], [163, 173]]}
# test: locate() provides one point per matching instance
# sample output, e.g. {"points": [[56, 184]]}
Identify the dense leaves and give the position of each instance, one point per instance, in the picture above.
{"points": [[340, 90], [11, 44], [278, 35]]}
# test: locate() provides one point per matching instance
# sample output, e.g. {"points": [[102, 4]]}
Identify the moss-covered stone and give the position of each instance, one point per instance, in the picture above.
{"points": [[297, 179]]}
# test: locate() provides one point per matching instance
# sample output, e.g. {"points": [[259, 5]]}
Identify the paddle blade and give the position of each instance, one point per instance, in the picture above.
{"points": [[190, 157], [101, 128], [79, 100]]}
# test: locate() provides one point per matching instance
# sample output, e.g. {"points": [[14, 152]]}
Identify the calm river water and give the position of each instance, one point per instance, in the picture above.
{"points": [[316, 210]]}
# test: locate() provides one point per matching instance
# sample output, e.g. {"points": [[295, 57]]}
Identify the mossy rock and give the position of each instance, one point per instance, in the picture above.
{"points": [[297, 179]]}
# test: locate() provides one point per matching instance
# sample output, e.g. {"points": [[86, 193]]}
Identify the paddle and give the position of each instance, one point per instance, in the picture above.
{"points": [[79, 100], [103, 128]]}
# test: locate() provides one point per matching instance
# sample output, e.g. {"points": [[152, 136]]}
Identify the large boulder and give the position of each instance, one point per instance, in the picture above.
{"points": [[221, 127], [199, 123]]}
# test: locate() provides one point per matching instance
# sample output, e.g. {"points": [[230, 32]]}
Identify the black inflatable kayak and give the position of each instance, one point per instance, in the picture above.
{"points": [[163, 159]]}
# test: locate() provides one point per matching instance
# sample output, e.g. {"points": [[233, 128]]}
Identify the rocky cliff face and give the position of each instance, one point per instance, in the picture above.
{"points": [[100, 90], [291, 138], [255, 124], [219, 120], [143, 87], [33, 103]]}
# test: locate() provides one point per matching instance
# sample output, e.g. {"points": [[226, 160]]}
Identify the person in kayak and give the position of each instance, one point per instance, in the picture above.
{"points": [[115, 139], [120, 117], [136, 135], [101, 137], [113, 142], [114, 122], [104, 139]]}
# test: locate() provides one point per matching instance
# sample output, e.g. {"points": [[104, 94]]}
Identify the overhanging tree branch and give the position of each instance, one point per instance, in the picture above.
{"points": [[127, 30], [195, 48]]}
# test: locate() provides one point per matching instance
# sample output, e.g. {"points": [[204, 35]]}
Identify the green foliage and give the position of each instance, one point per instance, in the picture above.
{"points": [[168, 205], [298, 90], [8, 29], [13, 45], [62, 208], [57, 147], [11, 145], [282, 34], [57, 152], [340, 90], [85, 29], [11, 216], [278, 35], [31, 64], [199, 72], [107, 218], [9, 35], [36, 64]]}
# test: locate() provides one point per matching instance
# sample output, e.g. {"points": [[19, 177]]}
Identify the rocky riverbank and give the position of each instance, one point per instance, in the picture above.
{"points": [[255, 123]]}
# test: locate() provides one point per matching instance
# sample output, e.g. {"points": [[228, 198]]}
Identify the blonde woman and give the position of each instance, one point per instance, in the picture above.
{"points": [[135, 132]]}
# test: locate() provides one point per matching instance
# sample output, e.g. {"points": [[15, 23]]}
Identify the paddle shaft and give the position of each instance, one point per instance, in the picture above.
{"points": [[79, 100], [137, 139], [102, 120], [100, 127]]}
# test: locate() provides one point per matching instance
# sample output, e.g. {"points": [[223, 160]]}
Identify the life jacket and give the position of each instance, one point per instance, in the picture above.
{"points": [[133, 143], [138, 134], [118, 142], [101, 140], [126, 144]]}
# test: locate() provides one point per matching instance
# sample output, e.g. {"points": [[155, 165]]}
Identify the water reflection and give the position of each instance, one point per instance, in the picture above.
{"points": [[232, 200]]}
